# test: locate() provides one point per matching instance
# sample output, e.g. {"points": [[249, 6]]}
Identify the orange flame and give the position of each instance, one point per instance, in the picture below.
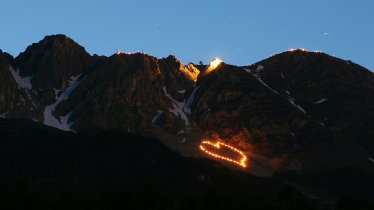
{"points": [[300, 49], [242, 162]]}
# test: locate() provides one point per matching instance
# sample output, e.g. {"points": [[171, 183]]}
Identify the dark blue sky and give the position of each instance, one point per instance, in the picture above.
{"points": [[237, 31]]}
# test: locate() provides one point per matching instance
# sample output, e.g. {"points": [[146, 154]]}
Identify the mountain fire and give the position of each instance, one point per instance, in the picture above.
{"points": [[220, 145], [213, 64]]}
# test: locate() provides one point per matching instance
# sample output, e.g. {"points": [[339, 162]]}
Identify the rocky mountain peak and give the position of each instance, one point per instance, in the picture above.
{"points": [[177, 76], [51, 47], [51, 63], [177, 67]]}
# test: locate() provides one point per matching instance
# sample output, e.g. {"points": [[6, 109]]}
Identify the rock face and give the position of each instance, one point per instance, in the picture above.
{"points": [[7, 90], [297, 105], [16, 99], [121, 92], [131, 92]]}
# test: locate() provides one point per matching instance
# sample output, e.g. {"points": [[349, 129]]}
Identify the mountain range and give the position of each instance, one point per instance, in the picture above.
{"points": [[296, 112]]}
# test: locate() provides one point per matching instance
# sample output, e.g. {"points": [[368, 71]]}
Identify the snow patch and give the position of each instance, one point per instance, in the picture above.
{"points": [[190, 100], [320, 101], [260, 80], [181, 91], [282, 75], [259, 68], [23, 100], [247, 70], [3, 115], [56, 91], [183, 140], [29, 96], [49, 119], [177, 109], [371, 159], [158, 115], [23, 82], [64, 121], [266, 85], [181, 132], [292, 101]]}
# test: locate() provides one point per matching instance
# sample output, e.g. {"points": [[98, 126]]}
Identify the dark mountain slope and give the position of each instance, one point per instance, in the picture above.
{"points": [[336, 92], [235, 105], [43, 167]]}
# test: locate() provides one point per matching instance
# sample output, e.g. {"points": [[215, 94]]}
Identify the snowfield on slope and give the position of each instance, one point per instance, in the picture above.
{"points": [[177, 109], [49, 119], [157, 116], [23, 82], [260, 80], [190, 100], [320, 101], [290, 99]]}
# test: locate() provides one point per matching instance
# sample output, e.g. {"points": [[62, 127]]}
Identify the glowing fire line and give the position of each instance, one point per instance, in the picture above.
{"points": [[242, 162]]}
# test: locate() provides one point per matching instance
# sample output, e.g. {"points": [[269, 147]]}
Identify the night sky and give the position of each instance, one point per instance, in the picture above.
{"points": [[237, 31]]}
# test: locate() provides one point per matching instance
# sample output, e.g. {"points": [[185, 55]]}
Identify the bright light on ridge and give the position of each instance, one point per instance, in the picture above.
{"points": [[213, 64]]}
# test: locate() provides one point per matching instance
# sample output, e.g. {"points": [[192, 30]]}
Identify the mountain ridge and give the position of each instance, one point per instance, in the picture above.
{"points": [[266, 109]]}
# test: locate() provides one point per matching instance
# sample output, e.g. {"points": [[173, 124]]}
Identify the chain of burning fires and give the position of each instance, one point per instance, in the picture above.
{"points": [[242, 162]]}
